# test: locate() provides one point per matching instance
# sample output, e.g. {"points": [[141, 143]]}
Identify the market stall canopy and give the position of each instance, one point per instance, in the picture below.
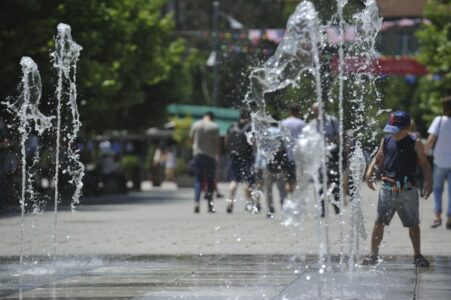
{"points": [[224, 117]]}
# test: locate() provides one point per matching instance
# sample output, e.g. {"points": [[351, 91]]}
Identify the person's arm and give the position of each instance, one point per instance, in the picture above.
{"points": [[376, 161], [191, 135], [433, 133], [430, 143], [218, 146], [426, 167]]}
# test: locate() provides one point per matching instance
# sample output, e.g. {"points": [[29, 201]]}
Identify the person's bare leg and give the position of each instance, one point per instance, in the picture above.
{"points": [[415, 237], [232, 191], [376, 238]]}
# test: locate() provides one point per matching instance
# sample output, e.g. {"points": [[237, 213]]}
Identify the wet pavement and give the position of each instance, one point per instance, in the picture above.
{"points": [[221, 277], [152, 246]]}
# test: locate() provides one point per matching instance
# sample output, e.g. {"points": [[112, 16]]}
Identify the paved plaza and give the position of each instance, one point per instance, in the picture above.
{"points": [[151, 245]]}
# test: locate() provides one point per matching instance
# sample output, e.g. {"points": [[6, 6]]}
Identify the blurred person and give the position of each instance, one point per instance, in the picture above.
{"points": [[170, 164], [397, 158], [331, 135], [158, 165], [9, 166], [277, 170], [294, 124], [205, 140], [418, 172], [439, 141], [241, 153]]}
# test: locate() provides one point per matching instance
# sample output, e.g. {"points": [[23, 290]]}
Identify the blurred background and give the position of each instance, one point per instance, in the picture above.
{"points": [[149, 68]]}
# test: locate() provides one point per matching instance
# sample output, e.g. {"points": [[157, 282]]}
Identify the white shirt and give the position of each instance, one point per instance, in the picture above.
{"points": [[442, 149], [294, 126]]}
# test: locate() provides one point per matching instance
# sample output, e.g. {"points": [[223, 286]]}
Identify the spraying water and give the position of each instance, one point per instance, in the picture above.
{"points": [[25, 108], [65, 59], [340, 6], [297, 54], [357, 225]]}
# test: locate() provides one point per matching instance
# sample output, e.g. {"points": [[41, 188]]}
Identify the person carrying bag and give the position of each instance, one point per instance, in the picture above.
{"points": [[439, 141]]}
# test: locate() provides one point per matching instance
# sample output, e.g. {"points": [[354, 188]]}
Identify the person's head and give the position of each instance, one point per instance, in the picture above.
{"points": [[398, 125], [446, 103], [245, 114], [209, 115], [315, 109], [295, 110]]}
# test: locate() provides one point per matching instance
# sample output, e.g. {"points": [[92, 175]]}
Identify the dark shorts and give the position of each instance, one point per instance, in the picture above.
{"points": [[405, 203], [242, 169], [204, 167], [291, 172]]}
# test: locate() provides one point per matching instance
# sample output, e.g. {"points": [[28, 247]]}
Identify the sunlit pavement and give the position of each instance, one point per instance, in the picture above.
{"points": [[152, 246]]}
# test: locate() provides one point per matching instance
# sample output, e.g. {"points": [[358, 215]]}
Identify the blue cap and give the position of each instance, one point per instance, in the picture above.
{"points": [[397, 121]]}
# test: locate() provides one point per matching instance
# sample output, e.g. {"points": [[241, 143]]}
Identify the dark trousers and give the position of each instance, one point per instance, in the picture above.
{"points": [[333, 177], [204, 169]]}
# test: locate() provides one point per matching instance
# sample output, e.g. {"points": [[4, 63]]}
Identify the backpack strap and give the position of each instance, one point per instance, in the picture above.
{"points": [[438, 132]]}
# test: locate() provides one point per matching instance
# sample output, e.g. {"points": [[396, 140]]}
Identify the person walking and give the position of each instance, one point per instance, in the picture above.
{"points": [[205, 140], [241, 153], [397, 158], [294, 125], [439, 141], [331, 135], [277, 169]]}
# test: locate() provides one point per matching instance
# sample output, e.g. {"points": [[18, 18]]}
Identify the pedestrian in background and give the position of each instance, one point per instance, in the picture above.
{"points": [[331, 136], [241, 152], [397, 159], [294, 125], [439, 141], [278, 168], [205, 140]]}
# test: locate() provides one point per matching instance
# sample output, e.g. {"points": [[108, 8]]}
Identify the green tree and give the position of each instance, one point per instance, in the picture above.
{"points": [[435, 52], [129, 51], [129, 48]]}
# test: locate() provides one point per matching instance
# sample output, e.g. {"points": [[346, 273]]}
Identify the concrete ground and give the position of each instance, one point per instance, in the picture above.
{"points": [[151, 245]]}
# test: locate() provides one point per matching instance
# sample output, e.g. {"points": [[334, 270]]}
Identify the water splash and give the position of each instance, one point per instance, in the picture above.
{"points": [[362, 53], [294, 56], [357, 223], [307, 157], [363, 50], [341, 57], [309, 153], [26, 109], [297, 54], [65, 59]]}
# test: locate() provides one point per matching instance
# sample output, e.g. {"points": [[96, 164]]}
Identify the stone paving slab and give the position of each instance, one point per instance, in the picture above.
{"points": [[163, 222], [221, 277]]}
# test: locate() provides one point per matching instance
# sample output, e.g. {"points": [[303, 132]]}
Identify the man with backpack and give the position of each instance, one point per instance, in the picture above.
{"points": [[241, 153]]}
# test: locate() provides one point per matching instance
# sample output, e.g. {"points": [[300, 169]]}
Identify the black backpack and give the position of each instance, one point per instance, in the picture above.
{"points": [[278, 161], [237, 144]]}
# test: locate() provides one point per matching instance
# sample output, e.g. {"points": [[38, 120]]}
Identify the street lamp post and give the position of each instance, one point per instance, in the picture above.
{"points": [[216, 52]]}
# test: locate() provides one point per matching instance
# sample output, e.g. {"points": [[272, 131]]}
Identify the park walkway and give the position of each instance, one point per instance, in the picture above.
{"points": [[151, 245]]}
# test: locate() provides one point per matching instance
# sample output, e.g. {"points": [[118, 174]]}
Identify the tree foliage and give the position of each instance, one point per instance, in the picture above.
{"points": [[435, 52], [129, 50]]}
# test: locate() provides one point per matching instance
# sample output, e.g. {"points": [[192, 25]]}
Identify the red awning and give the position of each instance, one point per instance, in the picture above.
{"points": [[397, 66]]}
